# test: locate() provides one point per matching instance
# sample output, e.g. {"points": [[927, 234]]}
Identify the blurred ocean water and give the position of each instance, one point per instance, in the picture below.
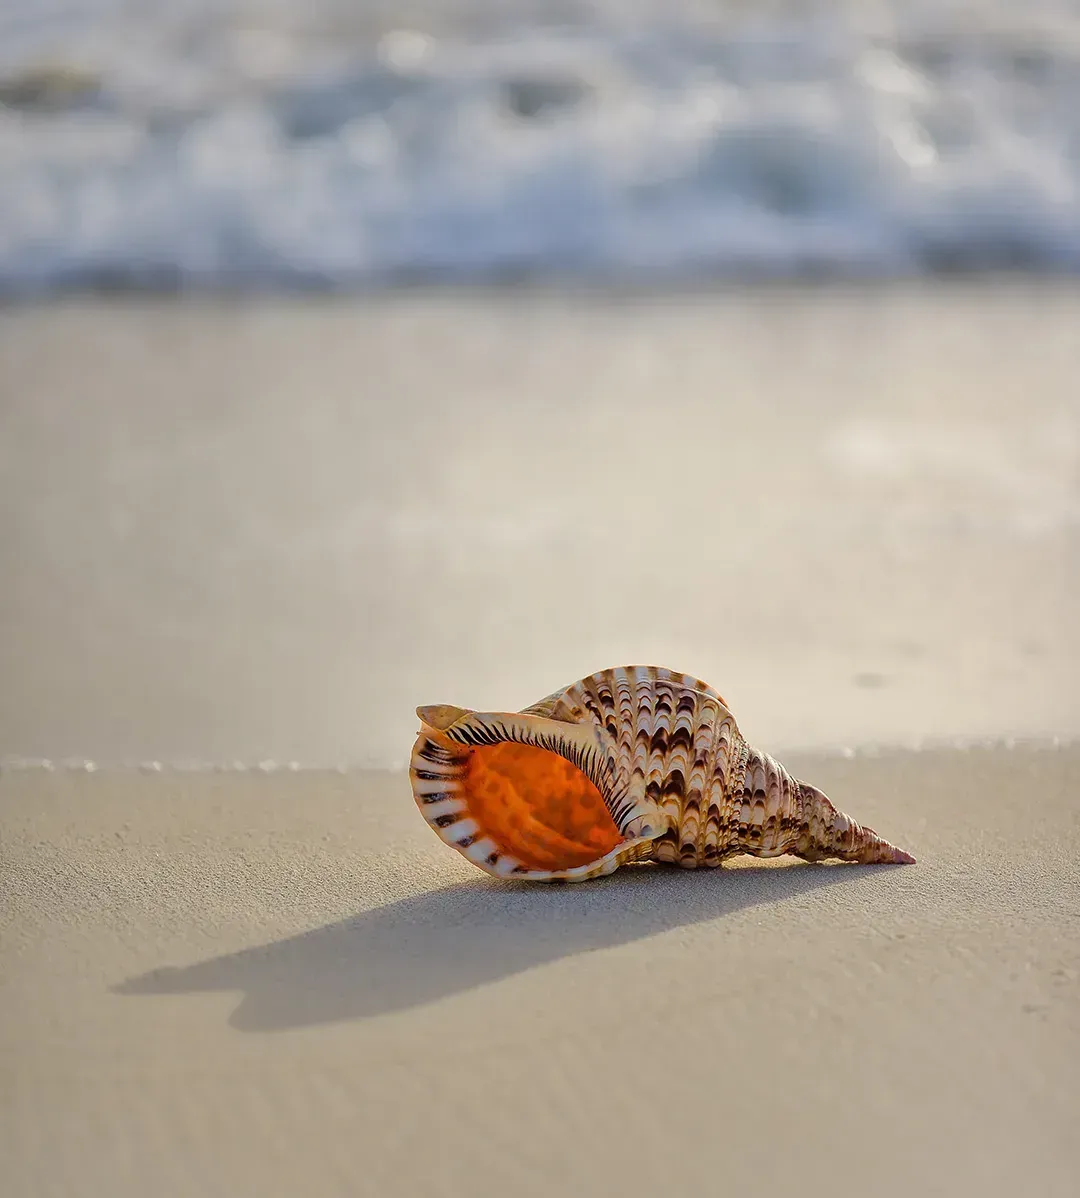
{"points": [[319, 143]]}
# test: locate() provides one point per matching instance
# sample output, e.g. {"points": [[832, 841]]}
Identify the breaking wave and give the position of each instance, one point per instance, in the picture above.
{"points": [[178, 145]]}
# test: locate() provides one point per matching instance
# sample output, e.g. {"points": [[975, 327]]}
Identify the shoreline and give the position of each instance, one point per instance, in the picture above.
{"points": [[871, 750], [963, 285]]}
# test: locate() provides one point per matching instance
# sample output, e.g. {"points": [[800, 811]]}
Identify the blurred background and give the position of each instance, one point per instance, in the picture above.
{"points": [[336, 144], [361, 355]]}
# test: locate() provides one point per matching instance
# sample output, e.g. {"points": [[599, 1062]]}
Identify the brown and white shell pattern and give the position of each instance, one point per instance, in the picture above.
{"points": [[637, 763]]}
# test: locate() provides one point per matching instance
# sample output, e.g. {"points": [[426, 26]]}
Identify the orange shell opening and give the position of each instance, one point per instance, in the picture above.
{"points": [[538, 806]]}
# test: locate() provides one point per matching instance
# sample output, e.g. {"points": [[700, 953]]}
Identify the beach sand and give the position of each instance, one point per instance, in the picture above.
{"points": [[267, 531], [283, 984]]}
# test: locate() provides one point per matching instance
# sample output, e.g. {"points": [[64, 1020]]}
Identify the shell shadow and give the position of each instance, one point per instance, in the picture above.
{"points": [[425, 947]]}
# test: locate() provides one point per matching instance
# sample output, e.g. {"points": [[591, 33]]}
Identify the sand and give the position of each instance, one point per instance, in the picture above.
{"points": [[248, 531], [267, 530], [283, 984]]}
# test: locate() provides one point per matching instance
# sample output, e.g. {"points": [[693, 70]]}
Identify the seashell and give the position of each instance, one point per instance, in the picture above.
{"points": [[632, 764]]}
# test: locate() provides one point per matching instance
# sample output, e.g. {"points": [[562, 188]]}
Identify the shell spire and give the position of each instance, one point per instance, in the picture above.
{"points": [[632, 764], [827, 832]]}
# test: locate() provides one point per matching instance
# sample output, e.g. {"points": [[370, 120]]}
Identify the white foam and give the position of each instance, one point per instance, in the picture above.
{"points": [[287, 155]]}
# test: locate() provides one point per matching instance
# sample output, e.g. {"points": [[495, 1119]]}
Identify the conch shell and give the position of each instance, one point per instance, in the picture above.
{"points": [[631, 764]]}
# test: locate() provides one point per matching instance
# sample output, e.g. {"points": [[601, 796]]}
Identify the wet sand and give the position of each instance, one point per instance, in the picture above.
{"points": [[281, 984], [268, 530]]}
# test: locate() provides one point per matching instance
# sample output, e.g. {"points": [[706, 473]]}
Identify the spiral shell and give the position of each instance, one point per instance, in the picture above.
{"points": [[637, 763]]}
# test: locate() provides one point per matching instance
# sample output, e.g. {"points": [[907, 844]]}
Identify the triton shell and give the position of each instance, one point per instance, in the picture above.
{"points": [[632, 764]]}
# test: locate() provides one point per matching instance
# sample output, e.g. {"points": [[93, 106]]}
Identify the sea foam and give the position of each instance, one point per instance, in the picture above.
{"points": [[179, 145]]}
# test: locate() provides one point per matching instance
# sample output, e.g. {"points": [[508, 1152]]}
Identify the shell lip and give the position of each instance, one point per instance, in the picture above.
{"points": [[601, 867], [447, 739]]}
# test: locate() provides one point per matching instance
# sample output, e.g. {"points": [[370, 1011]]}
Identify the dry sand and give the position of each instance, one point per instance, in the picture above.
{"points": [[283, 984], [269, 531]]}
